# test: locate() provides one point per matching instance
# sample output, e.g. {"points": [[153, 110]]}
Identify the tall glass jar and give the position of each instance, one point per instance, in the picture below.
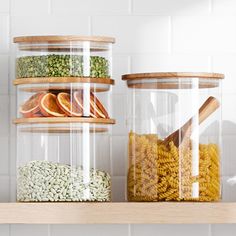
{"points": [[174, 145], [64, 118]]}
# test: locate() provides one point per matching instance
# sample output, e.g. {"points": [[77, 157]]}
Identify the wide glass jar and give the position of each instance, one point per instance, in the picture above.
{"points": [[64, 119], [174, 144]]}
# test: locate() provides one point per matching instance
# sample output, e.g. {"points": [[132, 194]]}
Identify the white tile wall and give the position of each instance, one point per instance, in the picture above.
{"points": [[169, 230], [87, 230], [26, 230], [88, 7], [151, 35], [204, 34], [21, 8], [171, 7], [146, 32]]}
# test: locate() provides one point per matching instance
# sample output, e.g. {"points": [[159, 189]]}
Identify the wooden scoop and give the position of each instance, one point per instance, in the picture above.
{"points": [[208, 107]]}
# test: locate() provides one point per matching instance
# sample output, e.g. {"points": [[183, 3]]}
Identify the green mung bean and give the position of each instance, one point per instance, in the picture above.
{"points": [[60, 66], [35, 177]]}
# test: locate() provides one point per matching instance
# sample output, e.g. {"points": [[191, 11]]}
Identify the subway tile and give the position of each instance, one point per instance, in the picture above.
{"points": [[29, 230], [5, 230], [141, 63], [228, 127], [30, 7], [119, 155], [119, 113], [134, 33], [4, 188], [171, 7], [11, 69], [12, 188], [4, 74], [4, 33], [110, 7], [229, 188], [49, 25], [4, 115], [4, 159], [120, 64], [118, 189], [228, 113], [88, 230], [228, 156], [169, 230], [4, 6], [224, 7], [204, 34], [225, 64], [223, 230]]}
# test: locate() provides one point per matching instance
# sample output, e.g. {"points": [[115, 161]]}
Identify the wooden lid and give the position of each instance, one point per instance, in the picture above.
{"points": [[62, 38], [171, 80], [171, 75], [60, 120]]}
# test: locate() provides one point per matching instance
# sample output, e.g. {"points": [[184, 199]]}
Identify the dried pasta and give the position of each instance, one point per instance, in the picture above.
{"points": [[164, 173]]}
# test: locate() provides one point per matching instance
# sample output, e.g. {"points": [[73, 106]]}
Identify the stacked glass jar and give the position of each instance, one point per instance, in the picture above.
{"points": [[174, 136], [63, 118]]}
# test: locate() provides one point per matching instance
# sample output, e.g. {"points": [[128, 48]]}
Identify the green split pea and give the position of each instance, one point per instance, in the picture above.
{"points": [[60, 66]]}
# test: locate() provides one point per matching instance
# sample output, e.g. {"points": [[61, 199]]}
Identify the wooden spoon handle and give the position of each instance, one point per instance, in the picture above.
{"points": [[207, 108]]}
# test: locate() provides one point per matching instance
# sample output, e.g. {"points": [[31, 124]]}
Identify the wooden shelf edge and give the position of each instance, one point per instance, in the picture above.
{"points": [[117, 213]]}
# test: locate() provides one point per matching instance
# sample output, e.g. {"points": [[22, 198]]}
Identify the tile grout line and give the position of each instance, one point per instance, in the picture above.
{"points": [[210, 63], [209, 230], [129, 230], [90, 29], [49, 230], [170, 35], [130, 7], [210, 5], [50, 7], [9, 105]]}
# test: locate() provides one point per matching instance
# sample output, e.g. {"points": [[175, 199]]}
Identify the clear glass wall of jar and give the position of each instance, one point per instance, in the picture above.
{"points": [[174, 145], [64, 118]]}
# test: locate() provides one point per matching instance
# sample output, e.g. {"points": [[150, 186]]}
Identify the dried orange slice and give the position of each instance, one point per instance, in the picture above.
{"points": [[78, 97], [48, 106], [37, 114], [97, 108], [66, 104], [31, 106]]}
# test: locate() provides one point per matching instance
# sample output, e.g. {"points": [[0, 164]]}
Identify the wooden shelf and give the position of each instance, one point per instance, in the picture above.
{"points": [[117, 213]]}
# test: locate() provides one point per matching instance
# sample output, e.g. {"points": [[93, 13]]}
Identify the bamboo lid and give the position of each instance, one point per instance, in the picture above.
{"points": [[165, 75], [62, 38], [58, 120], [55, 80], [171, 80]]}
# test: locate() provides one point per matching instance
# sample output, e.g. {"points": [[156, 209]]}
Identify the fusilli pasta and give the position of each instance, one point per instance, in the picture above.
{"points": [[164, 173]]}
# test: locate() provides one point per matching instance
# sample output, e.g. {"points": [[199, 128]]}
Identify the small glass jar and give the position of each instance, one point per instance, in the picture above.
{"points": [[174, 145], [63, 56], [63, 162], [64, 118]]}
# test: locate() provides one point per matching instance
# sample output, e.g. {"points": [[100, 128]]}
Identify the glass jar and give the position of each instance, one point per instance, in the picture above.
{"points": [[174, 144], [63, 56], [63, 120]]}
